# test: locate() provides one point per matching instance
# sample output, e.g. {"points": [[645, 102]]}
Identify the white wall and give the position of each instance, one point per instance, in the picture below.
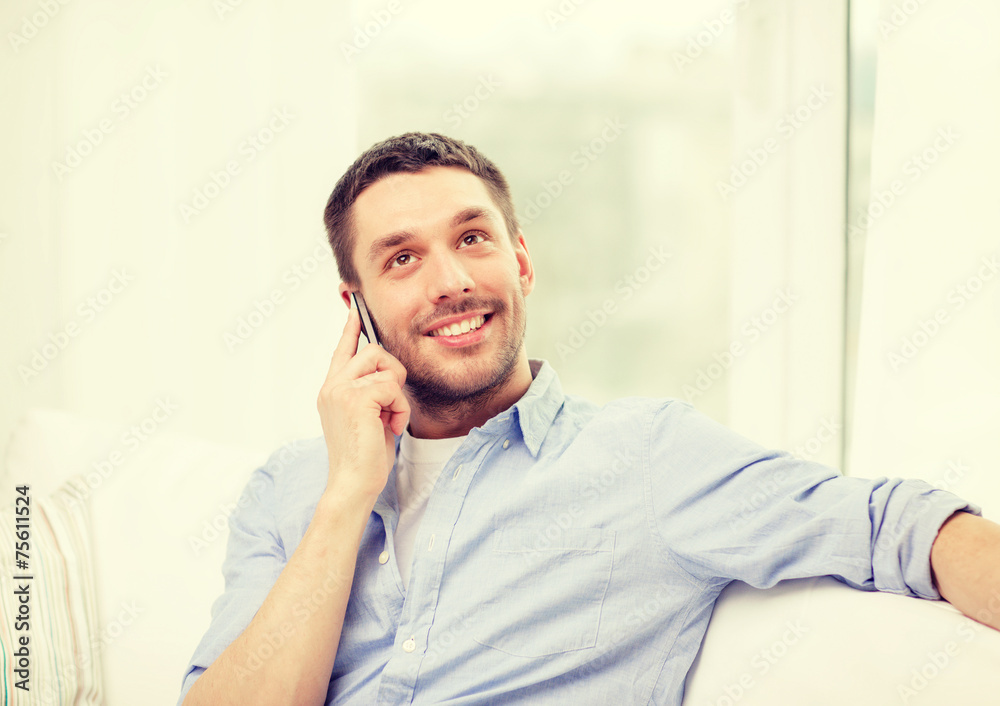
{"points": [[928, 389], [144, 105], [788, 247]]}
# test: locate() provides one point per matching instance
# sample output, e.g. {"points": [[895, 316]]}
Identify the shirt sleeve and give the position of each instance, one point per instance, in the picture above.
{"points": [[254, 559], [728, 509]]}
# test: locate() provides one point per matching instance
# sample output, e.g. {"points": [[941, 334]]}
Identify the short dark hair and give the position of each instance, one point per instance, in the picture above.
{"points": [[411, 152]]}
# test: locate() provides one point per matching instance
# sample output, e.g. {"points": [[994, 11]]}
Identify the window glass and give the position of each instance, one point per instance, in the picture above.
{"points": [[612, 123]]}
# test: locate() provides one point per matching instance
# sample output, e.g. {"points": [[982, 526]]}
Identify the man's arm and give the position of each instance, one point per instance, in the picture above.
{"points": [[361, 406], [965, 564], [298, 670]]}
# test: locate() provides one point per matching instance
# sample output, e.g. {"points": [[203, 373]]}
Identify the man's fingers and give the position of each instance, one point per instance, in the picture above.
{"points": [[374, 378], [384, 391], [347, 346], [393, 407], [380, 387], [373, 359], [398, 422]]}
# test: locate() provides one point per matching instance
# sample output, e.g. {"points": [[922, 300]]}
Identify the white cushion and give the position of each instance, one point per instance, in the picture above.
{"points": [[48, 634], [817, 641], [159, 526]]}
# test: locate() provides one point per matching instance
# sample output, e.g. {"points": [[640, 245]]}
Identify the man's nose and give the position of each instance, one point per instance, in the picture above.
{"points": [[448, 278]]}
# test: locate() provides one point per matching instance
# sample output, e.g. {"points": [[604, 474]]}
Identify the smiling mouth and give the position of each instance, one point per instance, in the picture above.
{"points": [[464, 326]]}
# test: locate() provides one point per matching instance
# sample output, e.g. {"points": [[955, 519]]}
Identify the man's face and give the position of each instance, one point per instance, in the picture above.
{"points": [[443, 281]]}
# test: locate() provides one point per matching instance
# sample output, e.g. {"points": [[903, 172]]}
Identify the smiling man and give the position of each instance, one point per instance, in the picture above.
{"points": [[466, 533], [446, 285]]}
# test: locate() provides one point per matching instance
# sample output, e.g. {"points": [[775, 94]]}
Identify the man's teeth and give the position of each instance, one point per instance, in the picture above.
{"points": [[460, 327]]}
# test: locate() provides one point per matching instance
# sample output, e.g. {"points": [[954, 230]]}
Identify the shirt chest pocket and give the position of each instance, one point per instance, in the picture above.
{"points": [[546, 589]]}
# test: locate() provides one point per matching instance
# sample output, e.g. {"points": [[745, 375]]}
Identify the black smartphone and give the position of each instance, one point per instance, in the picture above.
{"points": [[366, 319]]}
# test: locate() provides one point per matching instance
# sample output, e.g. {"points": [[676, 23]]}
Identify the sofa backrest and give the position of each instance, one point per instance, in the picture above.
{"points": [[159, 504]]}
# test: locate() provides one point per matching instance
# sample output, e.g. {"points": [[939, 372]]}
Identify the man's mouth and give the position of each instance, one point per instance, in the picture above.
{"points": [[460, 327]]}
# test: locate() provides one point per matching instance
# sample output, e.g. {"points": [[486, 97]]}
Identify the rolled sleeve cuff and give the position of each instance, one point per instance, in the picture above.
{"points": [[189, 679], [934, 508]]}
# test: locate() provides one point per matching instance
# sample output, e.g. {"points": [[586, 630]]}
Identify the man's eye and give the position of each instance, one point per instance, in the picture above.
{"points": [[472, 238], [401, 259]]}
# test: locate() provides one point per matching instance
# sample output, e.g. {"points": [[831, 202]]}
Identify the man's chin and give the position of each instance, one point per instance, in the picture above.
{"points": [[458, 381]]}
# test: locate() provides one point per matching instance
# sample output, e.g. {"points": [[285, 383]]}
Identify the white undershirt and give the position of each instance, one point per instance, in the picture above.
{"points": [[419, 465]]}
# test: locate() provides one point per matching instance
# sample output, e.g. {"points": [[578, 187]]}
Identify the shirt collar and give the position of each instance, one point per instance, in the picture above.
{"points": [[538, 407], [536, 411]]}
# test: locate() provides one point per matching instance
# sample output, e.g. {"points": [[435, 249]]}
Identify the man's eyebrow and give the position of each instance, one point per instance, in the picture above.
{"points": [[388, 241], [392, 240], [470, 214]]}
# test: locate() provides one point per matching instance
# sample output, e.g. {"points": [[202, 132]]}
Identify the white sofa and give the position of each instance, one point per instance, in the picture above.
{"points": [[157, 510]]}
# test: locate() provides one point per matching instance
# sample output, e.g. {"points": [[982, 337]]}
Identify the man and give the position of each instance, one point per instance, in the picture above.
{"points": [[466, 533]]}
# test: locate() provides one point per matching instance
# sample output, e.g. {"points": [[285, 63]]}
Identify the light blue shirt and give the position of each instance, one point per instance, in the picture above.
{"points": [[572, 553]]}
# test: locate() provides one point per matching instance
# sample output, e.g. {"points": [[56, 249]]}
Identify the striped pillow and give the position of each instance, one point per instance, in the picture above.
{"points": [[64, 644]]}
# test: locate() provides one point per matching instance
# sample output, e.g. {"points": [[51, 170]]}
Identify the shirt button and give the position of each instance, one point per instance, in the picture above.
{"points": [[506, 443], [383, 557], [409, 645]]}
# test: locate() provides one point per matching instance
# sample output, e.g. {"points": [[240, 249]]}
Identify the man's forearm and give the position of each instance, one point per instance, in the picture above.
{"points": [[306, 630], [965, 561]]}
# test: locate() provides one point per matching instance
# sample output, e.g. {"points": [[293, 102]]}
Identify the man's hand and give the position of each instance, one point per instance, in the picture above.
{"points": [[965, 563], [361, 405]]}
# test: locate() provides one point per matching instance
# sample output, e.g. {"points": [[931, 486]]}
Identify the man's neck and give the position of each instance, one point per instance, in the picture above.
{"points": [[459, 418]]}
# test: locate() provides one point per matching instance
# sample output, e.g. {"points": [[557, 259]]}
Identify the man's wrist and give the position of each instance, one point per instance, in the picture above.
{"points": [[344, 503]]}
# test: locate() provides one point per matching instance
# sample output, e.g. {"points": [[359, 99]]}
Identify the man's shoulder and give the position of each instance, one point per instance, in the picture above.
{"points": [[629, 411], [629, 405], [295, 468], [295, 455]]}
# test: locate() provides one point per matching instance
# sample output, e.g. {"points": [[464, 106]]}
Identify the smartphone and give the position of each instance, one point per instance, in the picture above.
{"points": [[366, 319]]}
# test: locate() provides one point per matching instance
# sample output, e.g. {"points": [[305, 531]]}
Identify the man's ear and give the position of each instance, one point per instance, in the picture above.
{"points": [[345, 293], [525, 268]]}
